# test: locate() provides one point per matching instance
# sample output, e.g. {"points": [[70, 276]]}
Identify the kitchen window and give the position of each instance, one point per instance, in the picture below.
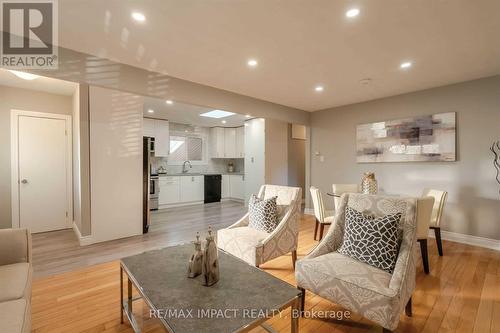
{"points": [[186, 147]]}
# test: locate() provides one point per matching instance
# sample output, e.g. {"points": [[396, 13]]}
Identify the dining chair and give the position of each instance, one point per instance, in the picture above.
{"points": [[424, 212], [339, 189], [437, 213], [319, 212]]}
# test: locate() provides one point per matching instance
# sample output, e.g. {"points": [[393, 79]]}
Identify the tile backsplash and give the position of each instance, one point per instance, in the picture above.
{"points": [[216, 165]]}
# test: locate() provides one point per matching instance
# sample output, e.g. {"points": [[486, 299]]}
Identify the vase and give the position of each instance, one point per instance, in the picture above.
{"points": [[210, 265], [369, 183]]}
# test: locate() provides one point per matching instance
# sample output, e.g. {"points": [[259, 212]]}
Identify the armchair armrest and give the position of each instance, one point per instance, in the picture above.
{"points": [[15, 246], [335, 235], [243, 222], [280, 228]]}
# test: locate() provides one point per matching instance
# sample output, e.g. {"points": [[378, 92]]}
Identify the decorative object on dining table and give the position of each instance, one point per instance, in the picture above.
{"points": [[369, 184], [196, 261], [210, 267], [495, 149], [426, 138], [230, 167]]}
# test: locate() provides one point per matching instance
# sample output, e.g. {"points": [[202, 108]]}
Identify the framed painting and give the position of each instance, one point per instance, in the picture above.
{"points": [[430, 138]]}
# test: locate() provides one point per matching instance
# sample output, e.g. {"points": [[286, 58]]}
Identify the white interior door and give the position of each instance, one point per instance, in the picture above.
{"points": [[42, 173]]}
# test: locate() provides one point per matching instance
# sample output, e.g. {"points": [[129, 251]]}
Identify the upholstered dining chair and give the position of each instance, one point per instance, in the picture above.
{"points": [[339, 189], [319, 212], [374, 293], [256, 246], [424, 211], [437, 213]]}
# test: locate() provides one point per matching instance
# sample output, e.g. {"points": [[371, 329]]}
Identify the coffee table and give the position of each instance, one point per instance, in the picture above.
{"points": [[243, 298]]}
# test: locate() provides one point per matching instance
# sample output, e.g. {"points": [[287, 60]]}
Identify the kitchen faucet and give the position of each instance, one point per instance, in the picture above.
{"points": [[184, 169]]}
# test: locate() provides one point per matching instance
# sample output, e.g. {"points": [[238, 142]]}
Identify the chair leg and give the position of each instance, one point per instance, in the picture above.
{"points": [[321, 229], [408, 308], [437, 233], [294, 258], [302, 300], [385, 330], [425, 257], [316, 229]]}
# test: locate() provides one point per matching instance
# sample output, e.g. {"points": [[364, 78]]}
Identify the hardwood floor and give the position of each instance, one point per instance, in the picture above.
{"points": [[59, 251], [461, 294]]}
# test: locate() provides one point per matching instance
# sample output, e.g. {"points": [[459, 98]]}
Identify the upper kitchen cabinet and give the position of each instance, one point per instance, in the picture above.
{"points": [[158, 129], [217, 149], [227, 142], [162, 138], [240, 142], [230, 142]]}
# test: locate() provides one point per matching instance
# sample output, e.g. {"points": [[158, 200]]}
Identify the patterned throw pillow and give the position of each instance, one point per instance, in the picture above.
{"points": [[374, 241], [263, 214]]}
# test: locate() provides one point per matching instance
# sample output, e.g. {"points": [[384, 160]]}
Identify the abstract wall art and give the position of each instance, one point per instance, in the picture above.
{"points": [[430, 138], [495, 149]]}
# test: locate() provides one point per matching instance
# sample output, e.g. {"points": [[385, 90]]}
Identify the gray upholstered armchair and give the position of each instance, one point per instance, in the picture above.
{"points": [[371, 292], [256, 246]]}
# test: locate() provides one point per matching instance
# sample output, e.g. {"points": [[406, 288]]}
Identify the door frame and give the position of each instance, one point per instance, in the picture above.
{"points": [[14, 158]]}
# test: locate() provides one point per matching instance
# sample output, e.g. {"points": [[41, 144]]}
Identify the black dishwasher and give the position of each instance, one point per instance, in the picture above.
{"points": [[212, 188]]}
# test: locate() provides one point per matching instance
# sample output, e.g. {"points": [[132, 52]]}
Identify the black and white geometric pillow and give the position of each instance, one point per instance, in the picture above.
{"points": [[263, 214], [374, 241]]}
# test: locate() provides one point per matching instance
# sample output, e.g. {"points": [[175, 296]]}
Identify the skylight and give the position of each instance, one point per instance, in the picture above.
{"points": [[217, 114]]}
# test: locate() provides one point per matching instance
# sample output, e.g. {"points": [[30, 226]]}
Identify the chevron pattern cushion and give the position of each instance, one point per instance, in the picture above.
{"points": [[263, 214], [374, 241]]}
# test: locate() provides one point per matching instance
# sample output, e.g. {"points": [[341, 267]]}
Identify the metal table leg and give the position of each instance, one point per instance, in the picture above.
{"points": [[294, 327], [121, 294]]}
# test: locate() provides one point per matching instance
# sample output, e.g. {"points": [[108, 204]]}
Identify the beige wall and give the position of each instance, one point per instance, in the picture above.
{"points": [[276, 152], [473, 206], [22, 99], [296, 161]]}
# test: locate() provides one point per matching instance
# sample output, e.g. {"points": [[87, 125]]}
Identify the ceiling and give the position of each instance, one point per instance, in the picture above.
{"points": [[188, 114], [45, 84], [298, 44]]}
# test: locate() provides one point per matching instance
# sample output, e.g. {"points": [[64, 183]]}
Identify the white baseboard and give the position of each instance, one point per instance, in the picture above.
{"points": [[83, 240], [468, 239]]}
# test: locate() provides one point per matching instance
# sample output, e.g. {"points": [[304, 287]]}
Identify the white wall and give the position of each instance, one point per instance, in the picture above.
{"points": [[473, 206], [255, 156], [115, 164], [22, 99]]}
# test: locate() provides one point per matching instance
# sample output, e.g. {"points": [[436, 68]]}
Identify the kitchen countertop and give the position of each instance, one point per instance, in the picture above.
{"points": [[199, 174]]}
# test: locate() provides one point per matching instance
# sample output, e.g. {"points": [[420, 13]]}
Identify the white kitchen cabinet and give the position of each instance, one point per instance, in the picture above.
{"points": [[225, 188], [230, 142], [217, 142], [149, 127], [237, 187], [158, 129], [162, 138], [240, 142], [169, 190], [192, 188]]}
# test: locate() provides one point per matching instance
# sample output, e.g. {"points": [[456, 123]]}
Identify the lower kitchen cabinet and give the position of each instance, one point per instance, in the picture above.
{"points": [[225, 189], [192, 188], [237, 186], [170, 190]]}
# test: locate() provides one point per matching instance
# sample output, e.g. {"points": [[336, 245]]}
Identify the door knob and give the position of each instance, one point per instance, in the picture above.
{"points": [[24, 181]]}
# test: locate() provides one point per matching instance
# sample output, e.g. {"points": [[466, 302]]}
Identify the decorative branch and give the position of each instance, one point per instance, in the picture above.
{"points": [[495, 149]]}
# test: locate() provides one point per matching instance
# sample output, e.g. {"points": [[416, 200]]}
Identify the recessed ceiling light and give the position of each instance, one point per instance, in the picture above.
{"points": [[319, 88], [25, 76], [353, 12], [169, 102], [223, 121], [217, 114], [139, 17], [252, 63], [151, 111], [405, 65], [248, 116]]}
